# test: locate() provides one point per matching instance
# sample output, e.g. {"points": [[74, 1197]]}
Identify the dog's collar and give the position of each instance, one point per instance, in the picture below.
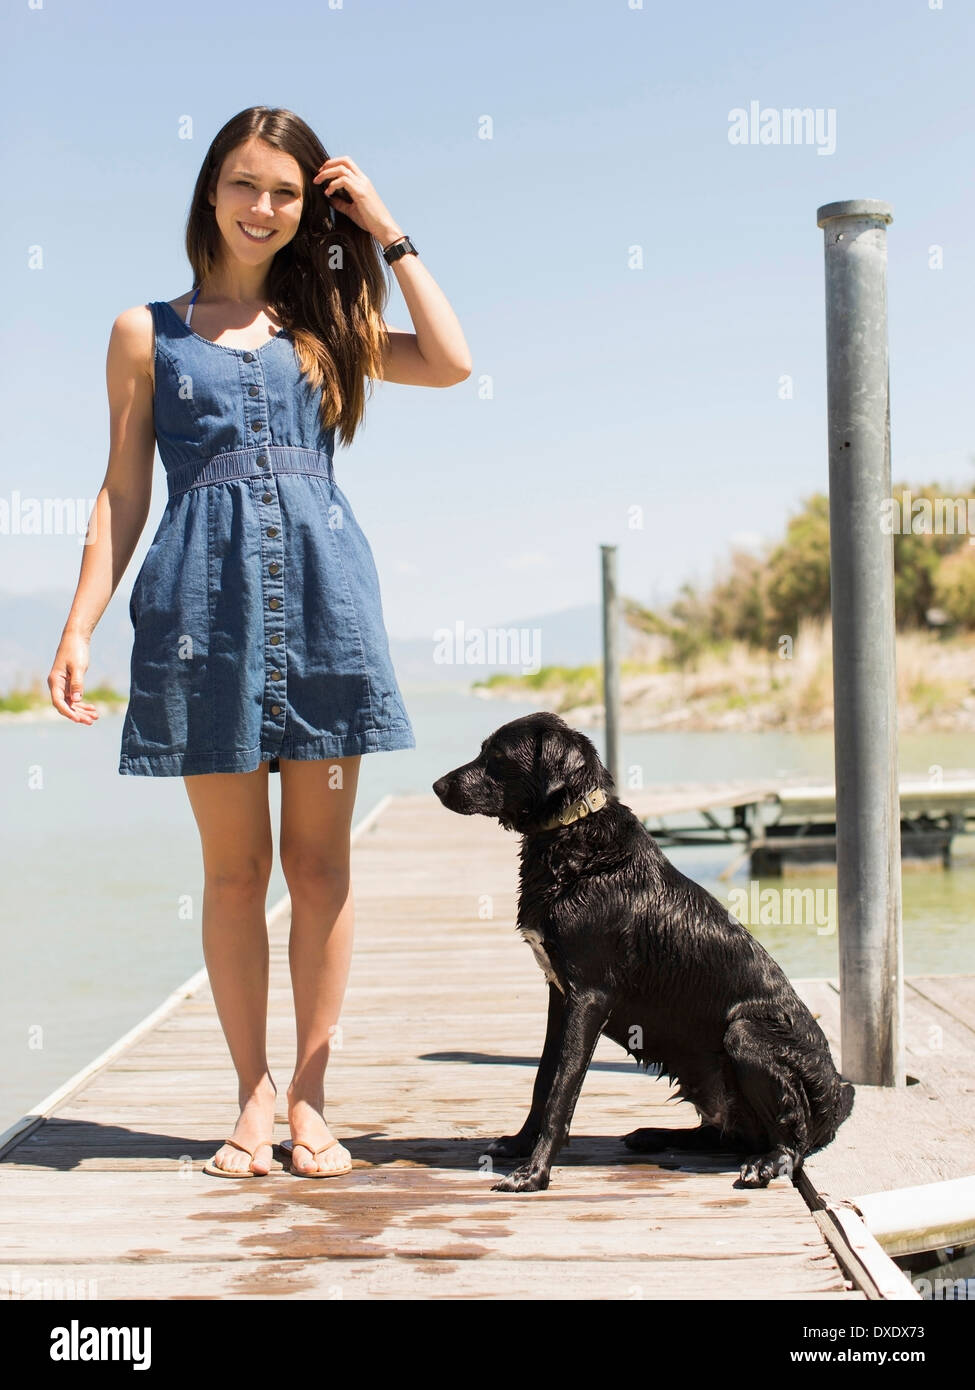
{"points": [[592, 800]]}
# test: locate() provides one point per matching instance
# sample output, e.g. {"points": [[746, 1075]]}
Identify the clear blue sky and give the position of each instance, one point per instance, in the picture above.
{"points": [[613, 387]]}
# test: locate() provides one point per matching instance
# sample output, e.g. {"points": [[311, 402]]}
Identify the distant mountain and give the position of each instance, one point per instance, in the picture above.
{"points": [[31, 626], [569, 637], [30, 630]]}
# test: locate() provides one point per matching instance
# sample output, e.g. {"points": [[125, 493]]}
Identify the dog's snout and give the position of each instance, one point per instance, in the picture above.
{"points": [[465, 791]]}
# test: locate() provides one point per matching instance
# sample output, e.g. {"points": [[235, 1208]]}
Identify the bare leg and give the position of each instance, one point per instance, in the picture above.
{"points": [[317, 801], [231, 811]]}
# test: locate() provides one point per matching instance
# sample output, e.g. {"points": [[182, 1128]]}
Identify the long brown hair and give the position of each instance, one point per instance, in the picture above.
{"points": [[327, 285]]}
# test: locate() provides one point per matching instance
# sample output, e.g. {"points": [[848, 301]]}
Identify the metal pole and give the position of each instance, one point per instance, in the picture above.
{"points": [[611, 663], [862, 605]]}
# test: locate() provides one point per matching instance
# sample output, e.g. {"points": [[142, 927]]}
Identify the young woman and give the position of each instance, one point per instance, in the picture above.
{"points": [[259, 641]]}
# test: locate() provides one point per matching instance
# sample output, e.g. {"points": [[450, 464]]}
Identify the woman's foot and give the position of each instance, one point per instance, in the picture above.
{"points": [[252, 1131], [307, 1121]]}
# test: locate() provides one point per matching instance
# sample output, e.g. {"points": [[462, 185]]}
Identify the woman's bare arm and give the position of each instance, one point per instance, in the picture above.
{"points": [[437, 353], [121, 507]]}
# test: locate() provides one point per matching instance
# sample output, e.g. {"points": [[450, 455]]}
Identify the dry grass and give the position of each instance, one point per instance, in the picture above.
{"points": [[736, 687], [740, 688]]}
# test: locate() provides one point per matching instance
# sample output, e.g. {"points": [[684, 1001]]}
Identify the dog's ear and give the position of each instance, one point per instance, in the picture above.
{"points": [[571, 764]]}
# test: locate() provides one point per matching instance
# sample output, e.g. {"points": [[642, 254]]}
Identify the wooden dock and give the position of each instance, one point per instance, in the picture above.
{"points": [[777, 823], [441, 1032]]}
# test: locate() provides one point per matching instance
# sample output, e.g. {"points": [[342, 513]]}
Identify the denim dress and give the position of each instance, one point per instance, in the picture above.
{"points": [[257, 615]]}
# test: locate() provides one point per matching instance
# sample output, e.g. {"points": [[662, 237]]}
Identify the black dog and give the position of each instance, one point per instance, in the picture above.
{"points": [[634, 949]]}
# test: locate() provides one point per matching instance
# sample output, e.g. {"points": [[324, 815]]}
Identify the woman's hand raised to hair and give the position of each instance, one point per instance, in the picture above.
{"points": [[367, 210]]}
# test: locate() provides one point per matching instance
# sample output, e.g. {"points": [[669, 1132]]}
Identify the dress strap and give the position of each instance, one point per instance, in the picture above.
{"points": [[189, 311]]}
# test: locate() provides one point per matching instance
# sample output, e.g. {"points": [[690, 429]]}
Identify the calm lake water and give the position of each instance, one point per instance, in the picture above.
{"points": [[97, 864]]}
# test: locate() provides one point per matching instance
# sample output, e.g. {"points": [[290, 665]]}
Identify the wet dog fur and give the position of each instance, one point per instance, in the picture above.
{"points": [[635, 950]]}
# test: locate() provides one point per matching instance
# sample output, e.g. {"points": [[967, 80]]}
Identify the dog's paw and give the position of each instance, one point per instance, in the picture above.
{"points": [[525, 1179], [512, 1145], [760, 1170]]}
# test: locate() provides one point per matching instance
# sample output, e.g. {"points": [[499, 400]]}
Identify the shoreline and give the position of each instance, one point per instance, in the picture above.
{"points": [[640, 715], [43, 712], [740, 689], [691, 719]]}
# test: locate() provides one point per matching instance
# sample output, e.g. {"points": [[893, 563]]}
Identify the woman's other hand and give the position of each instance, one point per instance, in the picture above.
{"points": [[67, 680]]}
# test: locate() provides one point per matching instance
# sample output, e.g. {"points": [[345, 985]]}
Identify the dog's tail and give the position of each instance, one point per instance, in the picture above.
{"points": [[830, 1099], [829, 1109], [844, 1103]]}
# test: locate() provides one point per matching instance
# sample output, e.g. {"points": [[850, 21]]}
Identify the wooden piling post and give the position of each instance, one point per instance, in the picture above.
{"points": [[611, 662], [862, 606]]}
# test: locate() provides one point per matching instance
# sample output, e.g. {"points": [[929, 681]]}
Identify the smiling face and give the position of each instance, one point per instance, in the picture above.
{"points": [[258, 191], [527, 771]]}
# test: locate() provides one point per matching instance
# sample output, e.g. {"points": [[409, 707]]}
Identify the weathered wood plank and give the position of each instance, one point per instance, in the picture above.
{"points": [[920, 1133], [417, 1278], [955, 995]]}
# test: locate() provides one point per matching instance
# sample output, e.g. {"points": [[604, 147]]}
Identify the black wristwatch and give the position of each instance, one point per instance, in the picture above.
{"points": [[402, 246]]}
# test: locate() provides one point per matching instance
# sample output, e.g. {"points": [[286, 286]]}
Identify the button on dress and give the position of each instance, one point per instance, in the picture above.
{"points": [[257, 613]]}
